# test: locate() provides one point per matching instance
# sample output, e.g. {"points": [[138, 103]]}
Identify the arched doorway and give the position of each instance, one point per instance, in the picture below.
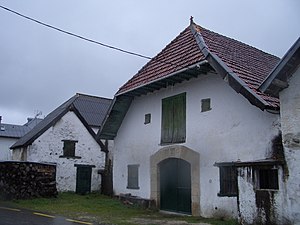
{"points": [[187, 155], [175, 185]]}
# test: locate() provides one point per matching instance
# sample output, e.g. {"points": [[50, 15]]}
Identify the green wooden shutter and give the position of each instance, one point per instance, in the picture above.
{"points": [[179, 118], [173, 128], [167, 121]]}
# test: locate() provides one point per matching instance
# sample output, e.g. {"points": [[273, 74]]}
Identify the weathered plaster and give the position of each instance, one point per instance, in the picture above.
{"points": [[49, 147], [232, 130], [261, 206], [290, 126]]}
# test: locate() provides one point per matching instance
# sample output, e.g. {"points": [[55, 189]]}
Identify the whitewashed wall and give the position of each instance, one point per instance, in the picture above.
{"points": [[49, 146], [5, 152], [233, 130], [290, 125], [262, 206]]}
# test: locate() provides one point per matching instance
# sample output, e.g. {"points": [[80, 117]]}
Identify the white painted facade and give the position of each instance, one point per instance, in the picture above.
{"points": [[290, 126], [48, 147], [262, 206], [5, 152], [232, 130]]}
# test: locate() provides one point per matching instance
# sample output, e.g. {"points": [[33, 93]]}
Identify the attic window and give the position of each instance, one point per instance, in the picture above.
{"points": [[205, 105], [147, 118]]}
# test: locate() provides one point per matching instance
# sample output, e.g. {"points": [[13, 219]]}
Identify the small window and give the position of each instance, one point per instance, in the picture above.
{"points": [[133, 177], [69, 148], [228, 181], [268, 179], [205, 105], [147, 118]]}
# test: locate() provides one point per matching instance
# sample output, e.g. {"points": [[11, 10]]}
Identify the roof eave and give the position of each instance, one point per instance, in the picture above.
{"points": [[275, 82], [196, 65], [40, 132], [114, 118], [122, 100]]}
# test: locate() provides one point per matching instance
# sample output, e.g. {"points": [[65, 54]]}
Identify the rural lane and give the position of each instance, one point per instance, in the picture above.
{"points": [[13, 216]]}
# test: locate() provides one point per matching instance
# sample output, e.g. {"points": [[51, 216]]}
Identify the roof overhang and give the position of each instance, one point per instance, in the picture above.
{"points": [[179, 76], [257, 163], [122, 101], [278, 78]]}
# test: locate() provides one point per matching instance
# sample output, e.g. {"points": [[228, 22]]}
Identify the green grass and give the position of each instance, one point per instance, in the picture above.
{"points": [[102, 209]]}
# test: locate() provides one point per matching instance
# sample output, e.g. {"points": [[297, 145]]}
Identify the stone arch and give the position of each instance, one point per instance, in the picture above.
{"points": [[180, 152]]}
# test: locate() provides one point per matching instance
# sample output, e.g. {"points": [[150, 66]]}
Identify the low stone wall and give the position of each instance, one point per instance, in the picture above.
{"points": [[23, 180], [128, 199]]}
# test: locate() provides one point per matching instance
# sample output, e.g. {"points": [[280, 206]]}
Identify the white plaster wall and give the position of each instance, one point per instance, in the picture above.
{"points": [[250, 213], [49, 146], [290, 124], [5, 152], [233, 130]]}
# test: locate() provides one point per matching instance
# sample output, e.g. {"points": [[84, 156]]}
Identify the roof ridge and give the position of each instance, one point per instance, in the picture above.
{"points": [[235, 40], [91, 96]]}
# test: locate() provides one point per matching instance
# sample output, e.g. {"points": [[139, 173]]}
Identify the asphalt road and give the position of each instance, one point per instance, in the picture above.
{"points": [[12, 216]]}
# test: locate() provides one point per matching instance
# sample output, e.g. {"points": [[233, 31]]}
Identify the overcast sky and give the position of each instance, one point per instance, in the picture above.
{"points": [[41, 68]]}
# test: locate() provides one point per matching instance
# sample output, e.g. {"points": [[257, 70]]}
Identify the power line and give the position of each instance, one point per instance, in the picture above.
{"points": [[75, 35]]}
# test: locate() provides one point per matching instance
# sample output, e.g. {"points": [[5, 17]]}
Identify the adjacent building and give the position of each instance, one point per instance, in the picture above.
{"points": [[10, 133], [67, 138]]}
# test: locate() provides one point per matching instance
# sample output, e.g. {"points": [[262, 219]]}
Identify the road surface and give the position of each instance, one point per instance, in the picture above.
{"points": [[14, 216]]}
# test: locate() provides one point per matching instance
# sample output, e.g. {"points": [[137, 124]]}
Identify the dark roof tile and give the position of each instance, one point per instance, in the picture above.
{"points": [[91, 108]]}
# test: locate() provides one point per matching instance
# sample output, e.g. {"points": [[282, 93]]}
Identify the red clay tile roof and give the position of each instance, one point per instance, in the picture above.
{"points": [[180, 53], [250, 64]]}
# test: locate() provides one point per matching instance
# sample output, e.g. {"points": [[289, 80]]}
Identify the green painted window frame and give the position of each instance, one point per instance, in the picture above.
{"points": [[173, 125], [133, 176]]}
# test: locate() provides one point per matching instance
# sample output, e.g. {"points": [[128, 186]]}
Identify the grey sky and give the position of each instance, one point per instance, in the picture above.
{"points": [[40, 68]]}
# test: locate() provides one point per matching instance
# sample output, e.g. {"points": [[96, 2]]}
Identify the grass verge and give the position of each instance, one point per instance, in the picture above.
{"points": [[101, 209]]}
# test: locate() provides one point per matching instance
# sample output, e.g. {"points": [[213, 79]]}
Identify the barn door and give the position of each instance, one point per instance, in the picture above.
{"points": [[83, 179], [175, 185]]}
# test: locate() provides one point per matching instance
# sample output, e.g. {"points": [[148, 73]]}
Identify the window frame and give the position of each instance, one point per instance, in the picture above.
{"points": [[228, 181], [147, 118], [69, 149], [272, 182], [205, 104], [133, 176]]}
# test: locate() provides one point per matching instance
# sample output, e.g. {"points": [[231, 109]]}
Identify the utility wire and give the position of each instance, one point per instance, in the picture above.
{"points": [[75, 35]]}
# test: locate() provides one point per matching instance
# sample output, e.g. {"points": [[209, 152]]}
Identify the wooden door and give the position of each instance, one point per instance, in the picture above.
{"points": [[83, 179], [175, 185]]}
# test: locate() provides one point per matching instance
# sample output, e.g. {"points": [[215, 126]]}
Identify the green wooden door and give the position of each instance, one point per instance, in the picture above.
{"points": [[175, 185], [83, 179]]}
